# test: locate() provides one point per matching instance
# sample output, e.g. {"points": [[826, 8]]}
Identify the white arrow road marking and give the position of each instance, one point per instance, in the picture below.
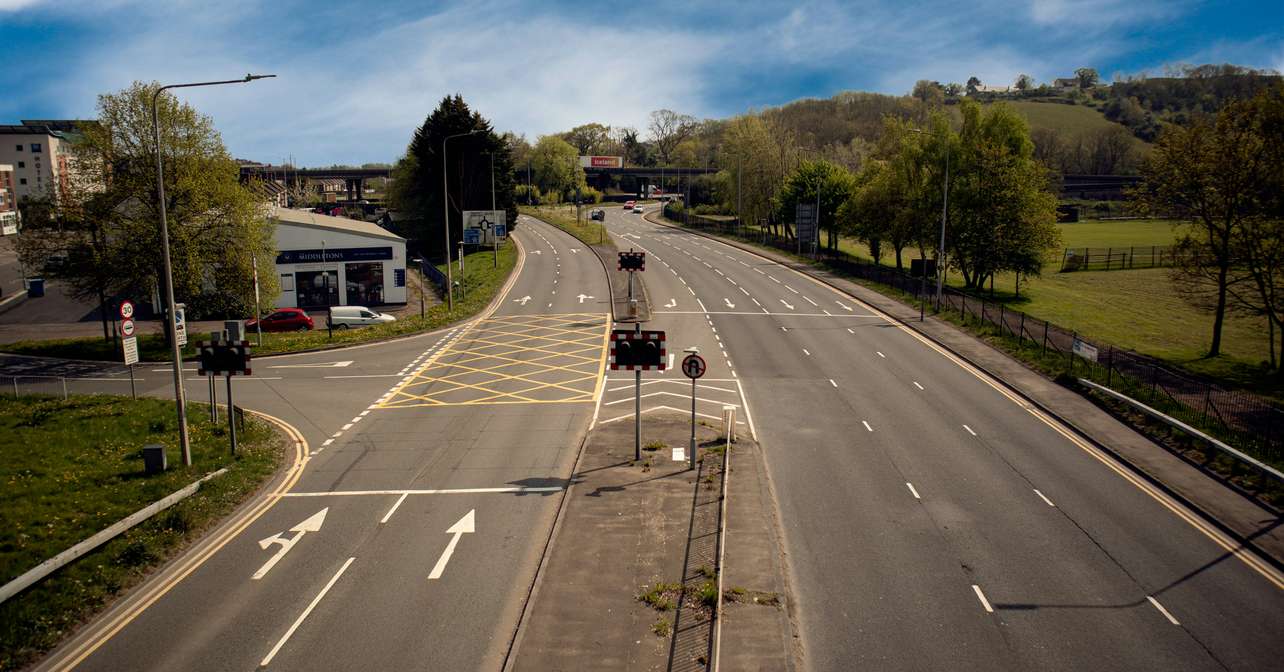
{"points": [[312, 524], [584, 296], [464, 526], [729, 303], [787, 304], [673, 303], [324, 365], [299, 620], [524, 299]]}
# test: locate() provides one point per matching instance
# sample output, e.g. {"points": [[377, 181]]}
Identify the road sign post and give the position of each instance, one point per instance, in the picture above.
{"points": [[633, 262], [693, 367], [228, 358], [129, 342], [637, 351]]}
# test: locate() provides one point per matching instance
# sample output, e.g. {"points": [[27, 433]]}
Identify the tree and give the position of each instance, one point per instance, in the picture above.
{"points": [[928, 92], [1023, 82], [106, 218], [1087, 77], [588, 138], [1206, 174], [751, 160], [1002, 208], [953, 90], [468, 163], [835, 185], [555, 166], [668, 129], [973, 84]]}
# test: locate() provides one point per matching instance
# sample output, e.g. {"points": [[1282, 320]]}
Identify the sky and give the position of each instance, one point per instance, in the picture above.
{"points": [[354, 79]]}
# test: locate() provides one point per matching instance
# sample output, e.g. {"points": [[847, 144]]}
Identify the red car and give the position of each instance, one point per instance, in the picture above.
{"points": [[285, 319]]}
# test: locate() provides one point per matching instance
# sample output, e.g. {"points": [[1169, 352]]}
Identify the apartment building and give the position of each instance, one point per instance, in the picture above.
{"points": [[40, 152], [8, 202]]}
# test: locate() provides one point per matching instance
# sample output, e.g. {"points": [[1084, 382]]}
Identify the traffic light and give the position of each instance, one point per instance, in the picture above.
{"points": [[631, 350], [632, 261]]}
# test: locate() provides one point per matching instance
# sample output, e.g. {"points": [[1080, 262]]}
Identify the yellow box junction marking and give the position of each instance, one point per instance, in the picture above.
{"points": [[513, 359]]}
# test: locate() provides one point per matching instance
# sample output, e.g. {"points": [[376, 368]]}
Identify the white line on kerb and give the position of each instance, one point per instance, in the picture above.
{"points": [[1040, 494], [866, 425], [917, 385], [981, 596], [969, 430], [299, 621], [1162, 610], [393, 510], [913, 491]]}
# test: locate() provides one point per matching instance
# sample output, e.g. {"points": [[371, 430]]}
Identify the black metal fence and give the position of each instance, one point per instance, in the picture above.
{"points": [[1116, 258], [1243, 419]]}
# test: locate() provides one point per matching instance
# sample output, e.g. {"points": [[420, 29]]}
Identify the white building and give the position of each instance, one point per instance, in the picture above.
{"points": [[334, 261], [40, 152]]}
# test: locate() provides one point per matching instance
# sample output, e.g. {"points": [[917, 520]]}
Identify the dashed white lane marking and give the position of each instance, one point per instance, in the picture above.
{"points": [[773, 279], [1045, 499], [744, 291], [756, 270], [393, 510], [881, 354], [755, 302], [702, 308], [969, 430], [866, 425], [913, 491], [784, 329], [1162, 610], [337, 435], [811, 302], [327, 442], [792, 289], [917, 385], [831, 382], [807, 352], [984, 602]]}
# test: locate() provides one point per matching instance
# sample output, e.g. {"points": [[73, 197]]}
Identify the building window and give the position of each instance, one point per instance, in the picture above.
{"points": [[364, 283], [35, 148], [19, 148], [23, 164], [287, 282], [23, 180]]}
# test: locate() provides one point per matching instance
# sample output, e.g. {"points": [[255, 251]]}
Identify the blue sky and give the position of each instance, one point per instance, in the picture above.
{"points": [[356, 78]]}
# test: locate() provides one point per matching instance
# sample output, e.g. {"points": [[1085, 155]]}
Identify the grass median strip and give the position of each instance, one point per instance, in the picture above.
{"points": [[480, 282], [71, 468]]}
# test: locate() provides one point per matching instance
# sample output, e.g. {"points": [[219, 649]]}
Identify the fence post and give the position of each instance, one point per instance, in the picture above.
{"points": [[1087, 258], [1154, 381], [1132, 252], [1153, 262], [1021, 333], [1002, 321], [1045, 337], [1110, 366], [962, 311], [15, 387], [64, 388], [1208, 393], [1109, 251], [1074, 337]]}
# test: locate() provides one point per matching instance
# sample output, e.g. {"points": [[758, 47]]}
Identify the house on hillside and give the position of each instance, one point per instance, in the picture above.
{"points": [[1065, 83]]}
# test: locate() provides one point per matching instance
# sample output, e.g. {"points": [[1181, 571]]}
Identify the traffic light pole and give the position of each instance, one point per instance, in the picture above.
{"points": [[637, 395]]}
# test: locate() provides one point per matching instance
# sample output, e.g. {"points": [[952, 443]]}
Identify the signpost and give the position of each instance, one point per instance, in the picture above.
{"points": [[180, 324], [633, 262], [637, 351], [805, 225], [229, 358], [693, 367], [129, 342]]}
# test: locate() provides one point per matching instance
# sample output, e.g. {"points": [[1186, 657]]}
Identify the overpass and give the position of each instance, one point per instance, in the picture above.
{"points": [[355, 178]]}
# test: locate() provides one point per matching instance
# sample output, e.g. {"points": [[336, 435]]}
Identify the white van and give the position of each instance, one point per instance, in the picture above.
{"points": [[344, 317]]}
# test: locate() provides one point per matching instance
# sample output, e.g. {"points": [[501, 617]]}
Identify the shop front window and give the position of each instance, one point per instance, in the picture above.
{"points": [[364, 284], [317, 289]]}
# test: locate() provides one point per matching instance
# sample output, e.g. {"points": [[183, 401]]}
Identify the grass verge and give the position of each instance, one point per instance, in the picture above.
{"points": [[73, 467], [563, 217], [480, 282]]}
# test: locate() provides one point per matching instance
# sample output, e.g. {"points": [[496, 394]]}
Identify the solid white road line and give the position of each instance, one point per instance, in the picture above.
{"points": [[913, 491], [969, 430], [866, 425], [1162, 610], [393, 510], [1040, 494], [448, 491], [299, 621], [981, 596], [917, 385]]}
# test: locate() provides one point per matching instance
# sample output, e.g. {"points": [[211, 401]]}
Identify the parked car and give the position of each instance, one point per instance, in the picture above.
{"points": [[598, 215], [628, 205], [345, 317], [285, 319]]}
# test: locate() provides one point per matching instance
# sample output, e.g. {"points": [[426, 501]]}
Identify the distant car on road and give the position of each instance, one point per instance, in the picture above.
{"points": [[344, 317], [637, 208], [285, 319], [628, 205], [598, 215]]}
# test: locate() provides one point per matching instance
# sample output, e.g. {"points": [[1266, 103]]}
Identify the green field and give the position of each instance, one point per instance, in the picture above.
{"points": [[1072, 121], [73, 467]]}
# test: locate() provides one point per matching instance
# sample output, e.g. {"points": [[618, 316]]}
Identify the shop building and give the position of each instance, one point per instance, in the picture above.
{"points": [[327, 261]]}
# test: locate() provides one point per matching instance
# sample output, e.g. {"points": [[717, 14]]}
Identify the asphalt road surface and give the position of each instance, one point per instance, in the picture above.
{"points": [[411, 536], [931, 521]]}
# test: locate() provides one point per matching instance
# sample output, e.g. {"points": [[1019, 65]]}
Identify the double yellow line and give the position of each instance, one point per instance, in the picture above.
{"points": [[106, 628]]}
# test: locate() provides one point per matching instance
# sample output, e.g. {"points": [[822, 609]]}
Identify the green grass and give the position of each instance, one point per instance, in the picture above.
{"points": [[1072, 121], [480, 283], [1118, 233], [563, 217], [72, 468]]}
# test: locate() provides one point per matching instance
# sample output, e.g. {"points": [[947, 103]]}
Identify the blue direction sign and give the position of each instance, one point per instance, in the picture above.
{"points": [[472, 236]]}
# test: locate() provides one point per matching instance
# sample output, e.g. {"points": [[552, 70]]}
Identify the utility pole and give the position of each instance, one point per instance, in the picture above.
{"points": [[445, 219]]}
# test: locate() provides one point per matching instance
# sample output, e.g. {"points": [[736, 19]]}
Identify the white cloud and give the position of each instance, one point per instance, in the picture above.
{"points": [[15, 5]]}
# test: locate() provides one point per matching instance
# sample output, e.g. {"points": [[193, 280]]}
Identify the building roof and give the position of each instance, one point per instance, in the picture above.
{"points": [[326, 222], [59, 128]]}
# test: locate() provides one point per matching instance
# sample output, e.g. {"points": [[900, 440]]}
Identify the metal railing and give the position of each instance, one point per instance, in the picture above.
{"points": [[1116, 258]]}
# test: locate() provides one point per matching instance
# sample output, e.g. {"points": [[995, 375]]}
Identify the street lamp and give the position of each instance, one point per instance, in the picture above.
{"points": [[940, 250], [445, 216], [175, 351]]}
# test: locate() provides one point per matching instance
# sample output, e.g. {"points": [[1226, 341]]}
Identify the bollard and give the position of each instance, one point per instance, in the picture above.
{"points": [[154, 458], [729, 423]]}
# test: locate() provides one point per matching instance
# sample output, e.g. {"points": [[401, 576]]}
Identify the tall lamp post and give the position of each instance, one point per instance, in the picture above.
{"points": [[175, 351], [445, 217]]}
